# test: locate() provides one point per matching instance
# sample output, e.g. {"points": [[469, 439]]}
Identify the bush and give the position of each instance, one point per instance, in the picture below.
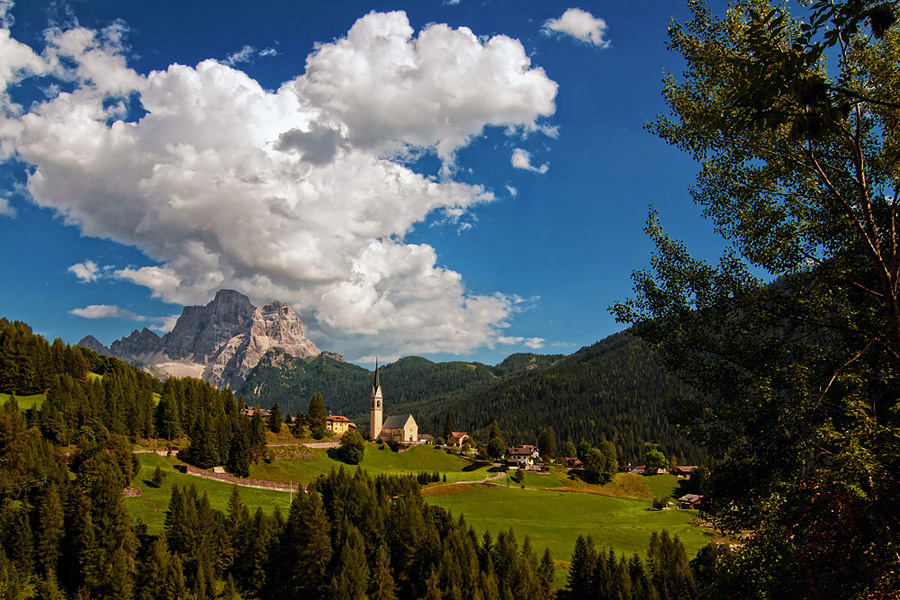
{"points": [[660, 503], [352, 448]]}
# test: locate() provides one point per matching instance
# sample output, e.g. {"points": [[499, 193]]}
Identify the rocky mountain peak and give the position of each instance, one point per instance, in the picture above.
{"points": [[221, 341]]}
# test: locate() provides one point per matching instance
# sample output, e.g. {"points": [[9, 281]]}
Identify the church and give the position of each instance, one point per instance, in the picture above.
{"points": [[399, 428]]}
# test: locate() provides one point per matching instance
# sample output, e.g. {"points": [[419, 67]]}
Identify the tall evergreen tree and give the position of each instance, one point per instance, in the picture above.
{"points": [[275, 419], [51, 531], [448, 426]]}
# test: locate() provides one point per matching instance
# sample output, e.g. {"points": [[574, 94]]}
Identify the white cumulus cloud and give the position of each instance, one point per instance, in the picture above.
{"points": [[300, 194], [581, 25]]}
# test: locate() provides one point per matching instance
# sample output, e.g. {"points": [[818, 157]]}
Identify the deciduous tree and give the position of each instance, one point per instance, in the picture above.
{"points": [[793, 339]]}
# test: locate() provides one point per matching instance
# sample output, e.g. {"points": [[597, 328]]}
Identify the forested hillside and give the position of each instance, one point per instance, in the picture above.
{"points": [[411, 385], [615, 390]]}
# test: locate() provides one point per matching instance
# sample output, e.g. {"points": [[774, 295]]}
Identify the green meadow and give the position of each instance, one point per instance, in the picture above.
{"points": [[378, 460], [150, 507], [554, 519], [25, 402]]}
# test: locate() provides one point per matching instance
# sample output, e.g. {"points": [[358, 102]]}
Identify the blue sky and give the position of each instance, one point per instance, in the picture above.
{"points": [[459, 181]]}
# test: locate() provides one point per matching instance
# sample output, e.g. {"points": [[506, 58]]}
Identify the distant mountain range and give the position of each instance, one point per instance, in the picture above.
{"points": [[220, 342]]}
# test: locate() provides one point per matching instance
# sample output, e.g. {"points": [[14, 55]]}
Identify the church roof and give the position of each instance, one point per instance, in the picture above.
{"points": [[398, 422]]}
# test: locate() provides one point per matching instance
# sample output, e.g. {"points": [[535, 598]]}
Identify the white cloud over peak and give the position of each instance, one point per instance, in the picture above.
{"points": [[521, 159], [299, 194], [108, 311], [581, 25]]}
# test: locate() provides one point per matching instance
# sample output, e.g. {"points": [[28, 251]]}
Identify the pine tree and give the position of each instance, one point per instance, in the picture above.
{"points": [[546, 575], [275, 419], [584, 560], [448, 426], [51, 532], [352, 575], [382, 586]]}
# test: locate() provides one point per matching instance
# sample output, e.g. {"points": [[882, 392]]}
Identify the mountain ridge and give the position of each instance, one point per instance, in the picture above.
{"points": [[219, 342]]}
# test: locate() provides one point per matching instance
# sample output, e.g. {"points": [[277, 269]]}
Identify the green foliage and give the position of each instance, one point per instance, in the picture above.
{"points": [[352, 448], [655, 460], [793, 340], [275, 419], [547, 443], [615, 390], [496, 449]]}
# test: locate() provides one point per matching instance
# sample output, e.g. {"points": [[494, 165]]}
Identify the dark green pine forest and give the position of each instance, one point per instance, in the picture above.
{"points": [[614, 391]]}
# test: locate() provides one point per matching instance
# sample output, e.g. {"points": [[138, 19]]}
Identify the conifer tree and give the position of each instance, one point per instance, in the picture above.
{"points": [[382, 585], [351, 578], [275, 419], [51, 530], [546, 576], [448, 426], [584, 561], [316, 415]]}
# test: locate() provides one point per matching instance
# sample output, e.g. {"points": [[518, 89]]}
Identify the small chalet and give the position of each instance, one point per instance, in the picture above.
{"points": [[399, 428], [685, 471], [524, 455], [690, 501], [574, 463], [458, 438], [337, 424]]}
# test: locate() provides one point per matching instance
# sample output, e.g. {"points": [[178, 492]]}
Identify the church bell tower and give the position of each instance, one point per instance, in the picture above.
{"points": [[376, 407]]}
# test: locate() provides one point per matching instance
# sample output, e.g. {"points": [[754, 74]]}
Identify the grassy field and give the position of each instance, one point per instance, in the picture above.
{"points": [[554, 519], [377, 461], [25, 402], [150, 507]]}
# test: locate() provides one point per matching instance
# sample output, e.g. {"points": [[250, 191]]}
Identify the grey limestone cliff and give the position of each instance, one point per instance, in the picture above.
{"points": [[220, 342]]}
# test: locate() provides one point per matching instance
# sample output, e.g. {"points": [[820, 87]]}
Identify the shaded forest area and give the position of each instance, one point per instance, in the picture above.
{"points": [[613, 391]]}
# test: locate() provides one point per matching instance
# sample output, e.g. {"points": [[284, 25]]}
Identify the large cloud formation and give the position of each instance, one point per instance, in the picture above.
{"points": [[301, 194]]}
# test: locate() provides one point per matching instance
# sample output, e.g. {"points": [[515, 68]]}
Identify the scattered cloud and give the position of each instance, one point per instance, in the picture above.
{"points": [[512, 191], [521, 159], [6, 209], [245, 54], [108, 311], [581, 25], [534, 343], [301, 194], [105, 311], [86, 272]]}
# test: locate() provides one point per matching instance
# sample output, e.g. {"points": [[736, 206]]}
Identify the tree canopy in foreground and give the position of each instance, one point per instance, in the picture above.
{"points": [[793, 339]]}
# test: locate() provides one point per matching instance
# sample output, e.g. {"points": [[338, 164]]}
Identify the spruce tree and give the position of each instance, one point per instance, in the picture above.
{"points": [[448, 427], [275, 419], [51, 530], [382, 585]]}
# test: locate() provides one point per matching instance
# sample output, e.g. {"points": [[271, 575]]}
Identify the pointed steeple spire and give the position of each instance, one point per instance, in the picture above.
{"points": [[377, 383]]}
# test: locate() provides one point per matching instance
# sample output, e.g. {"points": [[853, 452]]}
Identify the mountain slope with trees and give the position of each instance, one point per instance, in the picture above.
{"points": [[614, 390]]}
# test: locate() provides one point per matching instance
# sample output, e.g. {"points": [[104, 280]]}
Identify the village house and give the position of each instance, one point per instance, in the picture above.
{"points": [[338, 424], [523, 455], [685, 471], [690, 501], [458, 438]]}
